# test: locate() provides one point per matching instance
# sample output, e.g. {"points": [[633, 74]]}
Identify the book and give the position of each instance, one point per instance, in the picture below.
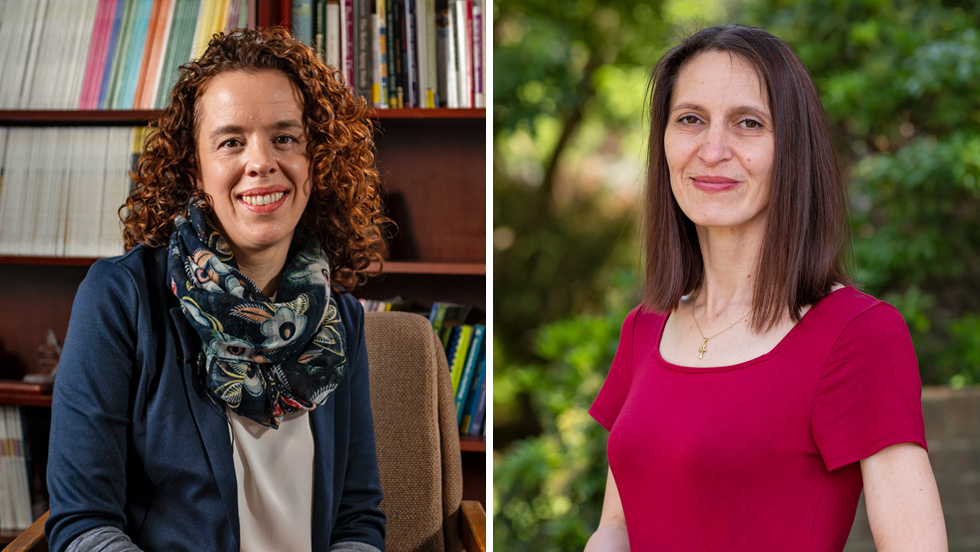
{"points": [[82, 29], [129, 77], [182, 46], [379, 88], [158, 56], [17, 150], [478, 416], [98, 46], [462, 46], [34, 40], [428, 67], [473, 394], [443, 315], [363, 50], [447, 57], [478, 53], [347, 41], [110, 58], [459, 343], [332, 34], [393, 63], [157, 21], [302, 21], [474, 350], [410, 49]]}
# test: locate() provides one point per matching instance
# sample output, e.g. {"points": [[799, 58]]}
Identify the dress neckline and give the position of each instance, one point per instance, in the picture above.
{"points": [[751, 362]]}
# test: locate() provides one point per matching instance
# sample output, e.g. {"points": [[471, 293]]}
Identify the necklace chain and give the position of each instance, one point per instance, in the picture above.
{"points": [[704, 340]]}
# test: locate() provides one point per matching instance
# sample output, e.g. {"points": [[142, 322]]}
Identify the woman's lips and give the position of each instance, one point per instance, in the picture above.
{"points": [[713, 183], [266, 202]]}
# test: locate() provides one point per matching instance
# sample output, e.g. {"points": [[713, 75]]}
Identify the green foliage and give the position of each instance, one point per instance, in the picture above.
{"points": [[900, 81], [548, 489]]}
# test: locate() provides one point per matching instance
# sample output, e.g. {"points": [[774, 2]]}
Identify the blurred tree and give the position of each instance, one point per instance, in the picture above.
{"points": [[900, 81], [568, 77], [548, 489]]}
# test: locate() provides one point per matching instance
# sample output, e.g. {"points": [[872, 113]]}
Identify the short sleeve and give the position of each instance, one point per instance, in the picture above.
{"points": [[605, 409], [870, 394]]}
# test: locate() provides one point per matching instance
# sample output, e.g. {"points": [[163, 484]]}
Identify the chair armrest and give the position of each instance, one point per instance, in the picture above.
{"points": [[473, 526], [32, 539]]}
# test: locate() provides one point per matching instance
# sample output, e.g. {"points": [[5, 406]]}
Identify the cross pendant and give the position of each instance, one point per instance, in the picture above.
{"points": [[703, 348]]}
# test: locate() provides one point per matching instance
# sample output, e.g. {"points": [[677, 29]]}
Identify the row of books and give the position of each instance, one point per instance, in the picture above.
{"points": [[104, 54], [15, 494], [375, 305], [61, 189], [401, 53], [466, 351]]}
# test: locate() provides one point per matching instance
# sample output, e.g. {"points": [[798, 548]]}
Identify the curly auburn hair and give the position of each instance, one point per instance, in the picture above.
{"points": [[345, 205]]}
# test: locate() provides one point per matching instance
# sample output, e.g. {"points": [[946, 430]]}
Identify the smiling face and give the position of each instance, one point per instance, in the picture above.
{"points": [[252, 159], [719, 143]]}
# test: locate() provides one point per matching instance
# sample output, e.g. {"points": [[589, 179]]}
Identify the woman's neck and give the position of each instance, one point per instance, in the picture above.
{"points": [[263, 268], [731, 264]]}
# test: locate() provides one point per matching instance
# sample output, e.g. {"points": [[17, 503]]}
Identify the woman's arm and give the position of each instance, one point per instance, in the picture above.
{"points": [[902, 500], [611, 534], [360, 524], [88, 448]]}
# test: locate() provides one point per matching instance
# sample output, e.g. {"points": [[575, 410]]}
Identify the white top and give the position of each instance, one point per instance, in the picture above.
{"points": [[274, 471]]}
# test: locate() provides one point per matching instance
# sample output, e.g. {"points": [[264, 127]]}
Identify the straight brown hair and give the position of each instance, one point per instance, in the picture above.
{"points": [[807, 242]]}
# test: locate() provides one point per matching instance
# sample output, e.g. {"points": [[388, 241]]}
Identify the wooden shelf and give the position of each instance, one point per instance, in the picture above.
{"points": [[421, 267], [472, 443], [25, 394], [95, 117]]}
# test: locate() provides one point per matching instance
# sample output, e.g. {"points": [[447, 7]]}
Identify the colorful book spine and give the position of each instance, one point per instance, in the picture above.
{"points": [[474, 350], [473, 394], [478, 418], [95, 63], [110, 53], [456, 353]]}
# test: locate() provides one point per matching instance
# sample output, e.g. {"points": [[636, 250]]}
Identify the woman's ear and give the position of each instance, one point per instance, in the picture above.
{"points": [[196, 178]]}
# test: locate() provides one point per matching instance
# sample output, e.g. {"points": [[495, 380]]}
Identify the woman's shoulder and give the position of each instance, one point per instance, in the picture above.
{"points": [[127, 275], [854, 310], [141, 259]]}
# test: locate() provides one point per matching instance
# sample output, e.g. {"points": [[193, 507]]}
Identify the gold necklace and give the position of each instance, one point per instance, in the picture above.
{"points": [[704, 340]]}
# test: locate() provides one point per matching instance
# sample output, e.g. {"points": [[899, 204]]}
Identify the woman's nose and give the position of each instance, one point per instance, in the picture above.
{"points": [[715, 147], [261, 159]]}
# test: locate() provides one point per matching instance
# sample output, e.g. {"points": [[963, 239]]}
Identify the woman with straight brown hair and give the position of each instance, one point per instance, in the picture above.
{"points": [[756, 392]]}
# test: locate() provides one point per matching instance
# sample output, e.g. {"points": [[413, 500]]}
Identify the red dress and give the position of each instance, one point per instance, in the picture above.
{"points": [[761, 455]]}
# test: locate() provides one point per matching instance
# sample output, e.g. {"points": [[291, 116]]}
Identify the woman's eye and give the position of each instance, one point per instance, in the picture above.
{"points": [[285, 139], [751, 124], [688, 120], [232, 143]]}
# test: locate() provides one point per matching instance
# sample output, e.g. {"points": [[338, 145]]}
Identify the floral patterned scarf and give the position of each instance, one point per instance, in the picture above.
{"points": [[263, 358]]}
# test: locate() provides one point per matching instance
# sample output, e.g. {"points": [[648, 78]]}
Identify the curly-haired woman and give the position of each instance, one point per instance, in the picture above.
{"points": [[213, 389]]}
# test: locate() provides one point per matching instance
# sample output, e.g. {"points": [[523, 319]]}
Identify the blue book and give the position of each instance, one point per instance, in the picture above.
{"points": [[473, 395], [134, 58], [478, 418], [111, 53], [473, 354]]}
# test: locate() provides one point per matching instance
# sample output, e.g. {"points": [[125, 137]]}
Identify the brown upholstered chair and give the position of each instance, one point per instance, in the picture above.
{"points": [[418, 439]]}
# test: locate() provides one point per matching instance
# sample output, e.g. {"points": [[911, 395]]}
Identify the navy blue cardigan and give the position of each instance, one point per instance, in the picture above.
{"points": [[137, 444]]}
